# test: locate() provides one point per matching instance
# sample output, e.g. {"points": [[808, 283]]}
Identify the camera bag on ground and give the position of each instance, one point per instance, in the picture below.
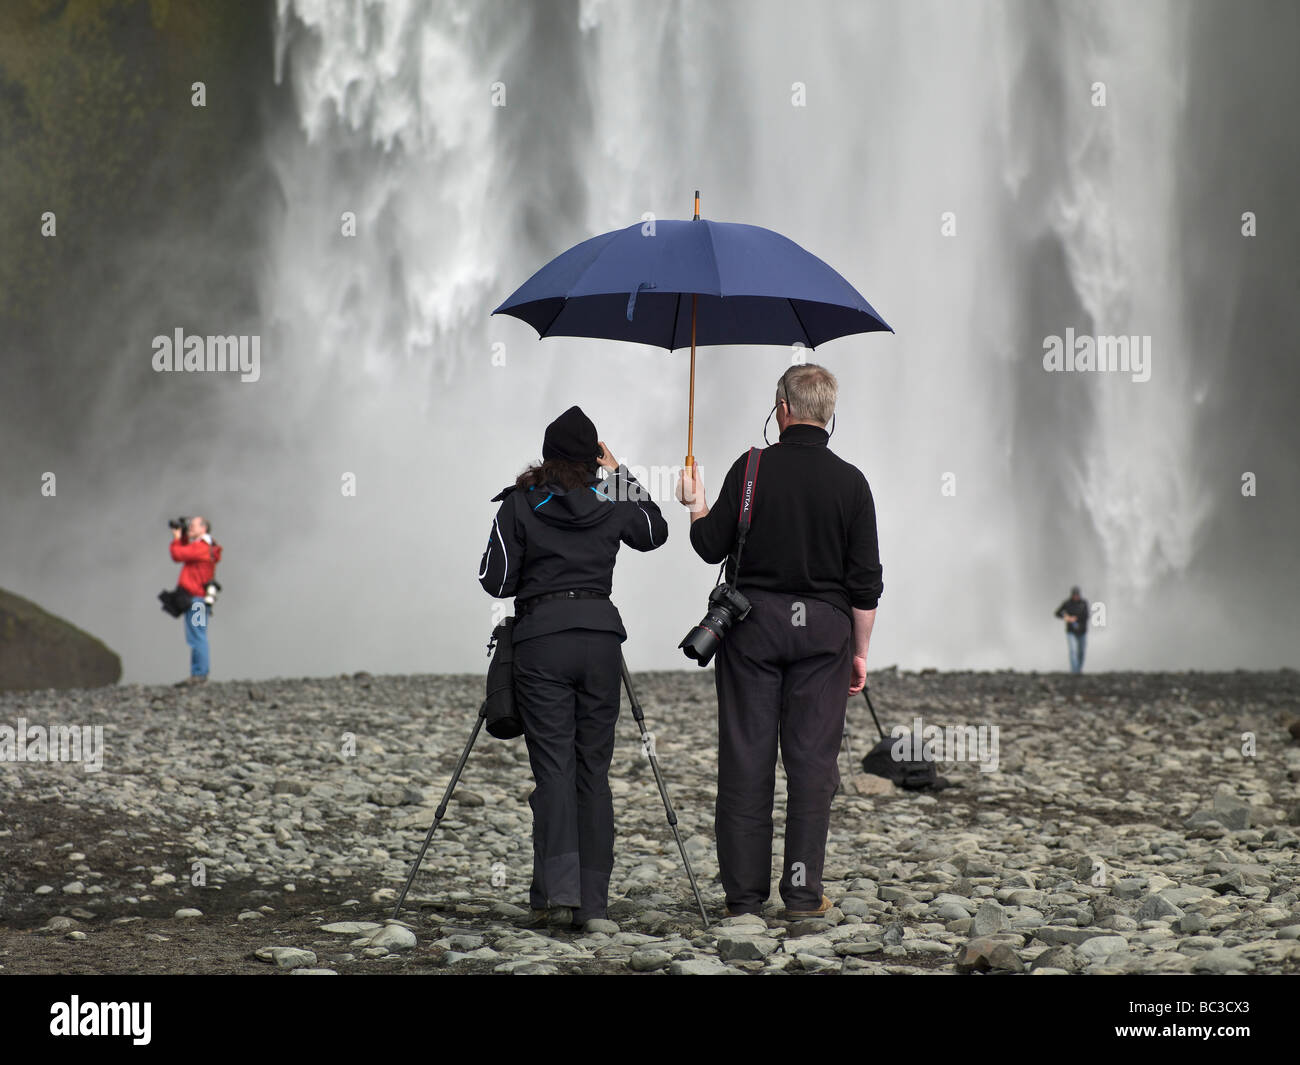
{"points": [[914, 774], [501, 713]]}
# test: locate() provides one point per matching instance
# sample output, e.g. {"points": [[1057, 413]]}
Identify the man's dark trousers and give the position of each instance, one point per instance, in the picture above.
{"points": [[782, 674], [567, 686]]}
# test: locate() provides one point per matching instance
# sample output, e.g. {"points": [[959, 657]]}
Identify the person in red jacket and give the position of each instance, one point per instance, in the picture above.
{"points": [[200, 555]]}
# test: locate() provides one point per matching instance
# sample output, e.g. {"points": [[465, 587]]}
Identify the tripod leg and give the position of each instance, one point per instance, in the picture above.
{"points": [[442, 806], [648, 747], [873, 711], [848, 743]]}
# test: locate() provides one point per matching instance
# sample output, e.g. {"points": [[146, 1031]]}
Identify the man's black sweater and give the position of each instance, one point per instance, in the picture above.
{"points": [[813, 529]]}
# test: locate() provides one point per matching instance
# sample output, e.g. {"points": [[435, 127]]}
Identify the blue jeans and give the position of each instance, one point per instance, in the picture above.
{"points": [[1076, 642], [196, 635]]}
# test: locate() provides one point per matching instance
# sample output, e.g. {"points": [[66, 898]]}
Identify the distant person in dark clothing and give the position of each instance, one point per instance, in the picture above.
{"points": [[811, 570], [1075, 612], [552, 547]]}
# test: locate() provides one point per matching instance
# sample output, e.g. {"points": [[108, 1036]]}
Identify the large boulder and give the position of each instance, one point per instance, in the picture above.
{"points": [[38, 650]]}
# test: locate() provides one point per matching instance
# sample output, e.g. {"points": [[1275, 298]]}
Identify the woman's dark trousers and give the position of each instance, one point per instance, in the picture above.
{"points": [[567, 685]]}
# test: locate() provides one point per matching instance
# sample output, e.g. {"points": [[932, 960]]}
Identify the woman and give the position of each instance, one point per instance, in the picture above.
{"points": [[552, 547]]}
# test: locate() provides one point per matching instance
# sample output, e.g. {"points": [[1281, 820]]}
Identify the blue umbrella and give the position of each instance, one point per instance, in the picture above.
{"points": [[747, 285]]}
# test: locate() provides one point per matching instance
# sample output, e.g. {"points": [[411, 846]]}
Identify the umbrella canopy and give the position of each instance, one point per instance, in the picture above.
{"points": [[754, 286], [748, 285]]}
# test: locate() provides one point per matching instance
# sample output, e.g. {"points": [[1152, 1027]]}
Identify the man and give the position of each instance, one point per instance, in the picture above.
{"points": [[200, 555], [811, 569], [1075, 612]]}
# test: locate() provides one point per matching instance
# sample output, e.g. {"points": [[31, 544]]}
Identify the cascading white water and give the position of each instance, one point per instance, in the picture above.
{"points": [[612, 110], [1116, 215]]}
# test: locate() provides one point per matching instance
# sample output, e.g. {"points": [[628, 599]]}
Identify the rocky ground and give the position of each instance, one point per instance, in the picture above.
{"points": [[1135, 823]]}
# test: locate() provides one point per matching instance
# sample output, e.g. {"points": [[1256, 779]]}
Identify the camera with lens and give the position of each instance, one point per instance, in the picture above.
{"points": [[726, 607], [181, 523]]}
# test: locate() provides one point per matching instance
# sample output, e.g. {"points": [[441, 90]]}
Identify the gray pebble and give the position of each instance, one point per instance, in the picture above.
{"points": [[989, 918], [1098, 947], [1222, 960], [394, 937], [287, 957], [648, 961], [701, 967], [745, 948]]}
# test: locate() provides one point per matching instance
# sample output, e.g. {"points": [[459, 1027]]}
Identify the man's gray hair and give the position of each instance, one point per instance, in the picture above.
{"points": [[809, 391]]}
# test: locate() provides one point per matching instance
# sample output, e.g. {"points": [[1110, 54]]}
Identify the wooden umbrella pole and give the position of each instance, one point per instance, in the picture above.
{"points": [[690, 424]]}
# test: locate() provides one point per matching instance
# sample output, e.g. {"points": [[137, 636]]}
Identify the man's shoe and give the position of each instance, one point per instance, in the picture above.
{"points": [[198, 678], [555, 915], [821, 910], [535, 919]]}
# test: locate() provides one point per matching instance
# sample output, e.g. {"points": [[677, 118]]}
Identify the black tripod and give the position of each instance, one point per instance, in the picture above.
{"points": [[848, 740], [872, 709], [647, 745]]}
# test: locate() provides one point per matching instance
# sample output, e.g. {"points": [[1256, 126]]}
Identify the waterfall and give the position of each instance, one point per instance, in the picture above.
{"points": [[371, 177], [473, 142], [1114, 209]]}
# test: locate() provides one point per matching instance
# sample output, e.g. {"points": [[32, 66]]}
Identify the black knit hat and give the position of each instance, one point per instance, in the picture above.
{"points": [[571, 436]]}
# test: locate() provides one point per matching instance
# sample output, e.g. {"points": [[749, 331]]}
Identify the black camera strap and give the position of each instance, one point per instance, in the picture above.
{"points": [[748, 489]]}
